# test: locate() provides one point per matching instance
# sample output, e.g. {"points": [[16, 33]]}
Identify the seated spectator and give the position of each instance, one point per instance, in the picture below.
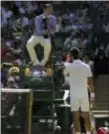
{"points": [[66, 15], [88, 61], [107, 51], [14, 72], [68, 43], [5, 44], [72, 17], [10, 82], [3, 76], [31, 6], [4, 51], [59, 61], [58, 24], [80, 15], [12, 52], [5, 15], [22, 20], [106, 27], [4, 71], [77, 41], [68, 58], [86, 40], [75, 25], [15, 49], [87, 26], [18, 3], [101, 60]]}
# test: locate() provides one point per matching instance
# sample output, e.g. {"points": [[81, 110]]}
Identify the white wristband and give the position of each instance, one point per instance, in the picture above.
{"points": [[92, 95]]}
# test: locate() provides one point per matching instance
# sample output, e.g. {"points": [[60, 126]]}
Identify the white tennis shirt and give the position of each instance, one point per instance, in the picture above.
{"points": [[78, 73]]}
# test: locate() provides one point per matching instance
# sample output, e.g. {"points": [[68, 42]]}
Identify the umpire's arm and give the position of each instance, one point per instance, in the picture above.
{"points": [[53, 25], [39, 30]]}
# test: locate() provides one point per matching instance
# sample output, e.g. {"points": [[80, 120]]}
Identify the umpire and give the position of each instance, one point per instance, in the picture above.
{"points": [[44, 27]]}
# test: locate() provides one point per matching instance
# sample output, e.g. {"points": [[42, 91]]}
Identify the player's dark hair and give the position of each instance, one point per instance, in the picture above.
{"points": [[75, 53]]}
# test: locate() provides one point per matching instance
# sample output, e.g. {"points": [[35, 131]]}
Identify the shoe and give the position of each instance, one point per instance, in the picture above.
{"points": [[36, 64], [42, 63]]}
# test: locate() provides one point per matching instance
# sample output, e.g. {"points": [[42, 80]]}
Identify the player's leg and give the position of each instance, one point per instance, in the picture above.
{"points": [[76, 122], [85, 113], [32, 42], [86, 117], [75, 110], [46, 43], [82, 124]]}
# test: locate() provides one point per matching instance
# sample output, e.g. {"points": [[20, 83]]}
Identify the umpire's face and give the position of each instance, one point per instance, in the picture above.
{"points": [[49, 9]]}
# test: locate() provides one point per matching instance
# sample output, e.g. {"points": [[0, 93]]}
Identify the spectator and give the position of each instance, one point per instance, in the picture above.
{"points": [[3, 76], [106, 27], [101, 61], [4, 50], [15, 49], [68, 43], [77, 41], [31, 7], [68, 58], [59, 61], [14, 72], [107, 51], [18, 3], [75, 25], [22, 20], [88, 61], [58, 24], [10, 83], [5, 15], [81, 15]]}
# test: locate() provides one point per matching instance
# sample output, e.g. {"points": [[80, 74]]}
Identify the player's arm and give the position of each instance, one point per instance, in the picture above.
{"points": [[90, 80], [90, 83]]}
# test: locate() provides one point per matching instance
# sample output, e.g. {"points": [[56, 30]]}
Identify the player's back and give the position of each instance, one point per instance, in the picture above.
{"points": [[78, 73]]}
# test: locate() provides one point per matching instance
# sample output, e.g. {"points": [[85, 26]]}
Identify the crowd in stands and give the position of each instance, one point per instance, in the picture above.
{"points": [[84, 25]]}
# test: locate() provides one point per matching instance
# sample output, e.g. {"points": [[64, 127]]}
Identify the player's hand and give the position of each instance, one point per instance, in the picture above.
{"points": [[92, 99], [92, 96]]}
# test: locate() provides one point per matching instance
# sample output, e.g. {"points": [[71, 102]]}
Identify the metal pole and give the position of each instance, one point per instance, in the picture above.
{"points": [[29, 115]]}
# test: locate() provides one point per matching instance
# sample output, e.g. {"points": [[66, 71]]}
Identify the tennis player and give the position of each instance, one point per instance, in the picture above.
{"points": [[79, 76]]}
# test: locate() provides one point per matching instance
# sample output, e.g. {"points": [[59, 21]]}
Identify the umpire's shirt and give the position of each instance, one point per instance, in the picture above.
{"points": [[39, 26]]}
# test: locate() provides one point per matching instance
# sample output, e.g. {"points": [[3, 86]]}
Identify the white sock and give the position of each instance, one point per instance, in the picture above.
{"points": [[88, 132]]}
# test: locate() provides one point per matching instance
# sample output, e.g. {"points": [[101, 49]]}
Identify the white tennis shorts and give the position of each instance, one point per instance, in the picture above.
{"points": [[79, 100]]}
